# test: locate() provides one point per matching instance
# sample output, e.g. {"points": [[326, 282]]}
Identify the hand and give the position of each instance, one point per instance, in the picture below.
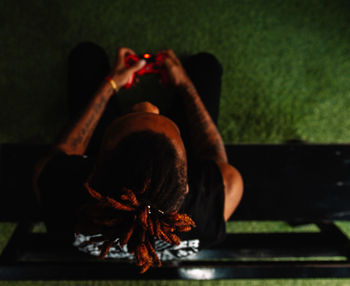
{"points": [[175, 71], [120, 73]]}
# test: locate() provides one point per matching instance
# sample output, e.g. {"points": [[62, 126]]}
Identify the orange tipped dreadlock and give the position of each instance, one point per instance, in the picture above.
{"points": [[136, 230]]}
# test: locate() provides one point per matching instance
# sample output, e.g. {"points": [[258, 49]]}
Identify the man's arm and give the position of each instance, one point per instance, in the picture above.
{"points": [[204, 135], [207, 143], [205, 138], [76, 138]]}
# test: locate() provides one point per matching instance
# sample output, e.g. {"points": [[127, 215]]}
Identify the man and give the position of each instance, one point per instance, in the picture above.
{"points": [[209, 202]]}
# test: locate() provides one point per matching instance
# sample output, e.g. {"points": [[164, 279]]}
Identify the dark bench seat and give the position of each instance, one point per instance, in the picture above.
{"points": [[298, 184]]}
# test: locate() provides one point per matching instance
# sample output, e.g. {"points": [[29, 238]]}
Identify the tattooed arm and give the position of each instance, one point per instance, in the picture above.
{"points": [[205, 138], [204, 135], [206, 142], [76, 138]]}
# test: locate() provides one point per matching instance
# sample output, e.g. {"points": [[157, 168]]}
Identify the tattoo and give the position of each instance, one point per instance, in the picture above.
{"points": [[205, 137], [85, 133], [100, 104], [78, 140]]}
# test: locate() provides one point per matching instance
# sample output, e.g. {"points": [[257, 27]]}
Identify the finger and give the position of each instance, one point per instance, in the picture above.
{"points": [[168, 62], [170, 52], [123, 51], [171, 55], [138, 65]]}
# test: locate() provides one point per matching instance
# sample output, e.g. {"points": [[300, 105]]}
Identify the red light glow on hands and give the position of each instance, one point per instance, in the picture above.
{"points": [[146, 56]]}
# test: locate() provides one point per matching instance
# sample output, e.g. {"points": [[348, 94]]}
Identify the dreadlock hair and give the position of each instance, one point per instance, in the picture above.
{"points": [[138, 189]]}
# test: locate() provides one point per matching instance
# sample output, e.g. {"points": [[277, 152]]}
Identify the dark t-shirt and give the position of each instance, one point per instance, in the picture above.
{"points": [[61, 184]]}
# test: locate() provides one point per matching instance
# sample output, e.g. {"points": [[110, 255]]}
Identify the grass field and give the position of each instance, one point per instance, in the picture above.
{"points": [[286, 70], [286, 63]]}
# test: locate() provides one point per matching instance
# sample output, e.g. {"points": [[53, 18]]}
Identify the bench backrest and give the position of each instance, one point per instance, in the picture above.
{"points": [[282, 182]]}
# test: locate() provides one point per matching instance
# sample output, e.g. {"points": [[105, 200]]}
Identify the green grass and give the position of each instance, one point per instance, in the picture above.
{"points": [[286, 69], [286, 63]]}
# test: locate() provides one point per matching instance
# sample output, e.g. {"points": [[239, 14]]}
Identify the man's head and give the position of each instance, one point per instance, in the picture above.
{"points": [[139, 185], [144, 145]]}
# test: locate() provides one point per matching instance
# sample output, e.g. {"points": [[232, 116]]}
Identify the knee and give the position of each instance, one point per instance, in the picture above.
{"points": [[89, 53], [207, 61], [87, 46]]}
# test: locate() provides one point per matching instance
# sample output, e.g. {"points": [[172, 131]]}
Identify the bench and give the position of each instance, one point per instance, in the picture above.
{"points": [[298, 184]]}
